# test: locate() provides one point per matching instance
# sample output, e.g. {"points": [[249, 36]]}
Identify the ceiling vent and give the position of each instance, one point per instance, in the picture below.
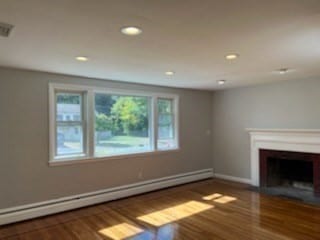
{"points": [[5, 29]]}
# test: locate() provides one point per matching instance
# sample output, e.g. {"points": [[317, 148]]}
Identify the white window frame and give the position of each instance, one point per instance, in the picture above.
{"points": [[174, 123], [69, 122], [89, 118]]}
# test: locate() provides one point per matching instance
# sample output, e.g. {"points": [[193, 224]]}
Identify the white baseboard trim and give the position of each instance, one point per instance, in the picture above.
{"points": [[20, 213], [232, 178]]}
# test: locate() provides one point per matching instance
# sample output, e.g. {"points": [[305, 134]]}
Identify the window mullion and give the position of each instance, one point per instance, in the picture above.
{"points": [[155, 123], [151, 123], [91, 124], [69, 123], [176, 121], [55, 150]]}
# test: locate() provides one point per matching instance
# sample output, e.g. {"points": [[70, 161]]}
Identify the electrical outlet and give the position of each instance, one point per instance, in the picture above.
{"points": [[140, 175]]}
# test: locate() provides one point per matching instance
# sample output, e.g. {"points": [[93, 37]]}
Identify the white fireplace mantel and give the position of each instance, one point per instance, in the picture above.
{"points": [[297, 140]]}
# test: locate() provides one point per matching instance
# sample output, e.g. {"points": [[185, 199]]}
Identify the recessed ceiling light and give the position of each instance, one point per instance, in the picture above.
{"points": [[131, 31], [169, 73], [221, 82], [232, 56], [283, 70], [82, 58]]}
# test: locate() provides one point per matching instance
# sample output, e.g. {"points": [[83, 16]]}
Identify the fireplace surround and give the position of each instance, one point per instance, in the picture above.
{"points": [[291, 140], [280, 146]]}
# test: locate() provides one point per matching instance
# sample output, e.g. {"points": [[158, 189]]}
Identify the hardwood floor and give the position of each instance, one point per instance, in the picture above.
{"points": [[211, 209]]}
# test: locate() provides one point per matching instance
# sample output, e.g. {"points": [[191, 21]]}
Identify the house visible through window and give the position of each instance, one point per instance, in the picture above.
{"points": [[59, 117], [69, 133], [94, 123]]}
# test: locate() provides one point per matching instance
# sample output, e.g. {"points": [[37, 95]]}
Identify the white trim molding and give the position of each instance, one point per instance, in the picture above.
{"points": [[232, 178], [20, 213], [297, 140]]}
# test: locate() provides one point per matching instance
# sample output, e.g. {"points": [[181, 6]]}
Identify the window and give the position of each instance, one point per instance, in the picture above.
{"points": [[166, 134], [94, 123], [69, 133]]}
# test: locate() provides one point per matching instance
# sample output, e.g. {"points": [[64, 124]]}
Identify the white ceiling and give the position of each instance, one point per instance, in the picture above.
{"points": [[190, 37]]}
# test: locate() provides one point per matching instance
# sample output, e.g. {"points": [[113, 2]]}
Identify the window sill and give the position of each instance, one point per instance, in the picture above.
{"points": [[53, 163]]}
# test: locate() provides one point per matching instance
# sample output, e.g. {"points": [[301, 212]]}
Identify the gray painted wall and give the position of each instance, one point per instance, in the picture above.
{"points": [[25, 176], [290, 104]]}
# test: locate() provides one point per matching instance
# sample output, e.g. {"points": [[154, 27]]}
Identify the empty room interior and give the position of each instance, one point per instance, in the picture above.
{"points": [[160, 120]]}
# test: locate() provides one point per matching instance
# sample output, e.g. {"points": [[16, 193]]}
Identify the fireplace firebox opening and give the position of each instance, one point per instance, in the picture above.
{"points": [[290, 173]]}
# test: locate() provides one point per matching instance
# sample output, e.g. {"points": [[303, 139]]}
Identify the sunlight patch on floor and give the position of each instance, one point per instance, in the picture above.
{"points": [[175, 213], [212, 196], [219, 198], [121, 231], [225, 199]]}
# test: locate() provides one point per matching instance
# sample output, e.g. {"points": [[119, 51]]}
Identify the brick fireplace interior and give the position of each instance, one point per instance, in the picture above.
{"points": [[291, 174]]}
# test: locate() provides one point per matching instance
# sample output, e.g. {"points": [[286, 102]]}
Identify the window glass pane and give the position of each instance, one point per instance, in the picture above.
{"points": [[164, 106], [121, 124], [165, 124], [68, 107], [166, 143], [69, 140]]}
